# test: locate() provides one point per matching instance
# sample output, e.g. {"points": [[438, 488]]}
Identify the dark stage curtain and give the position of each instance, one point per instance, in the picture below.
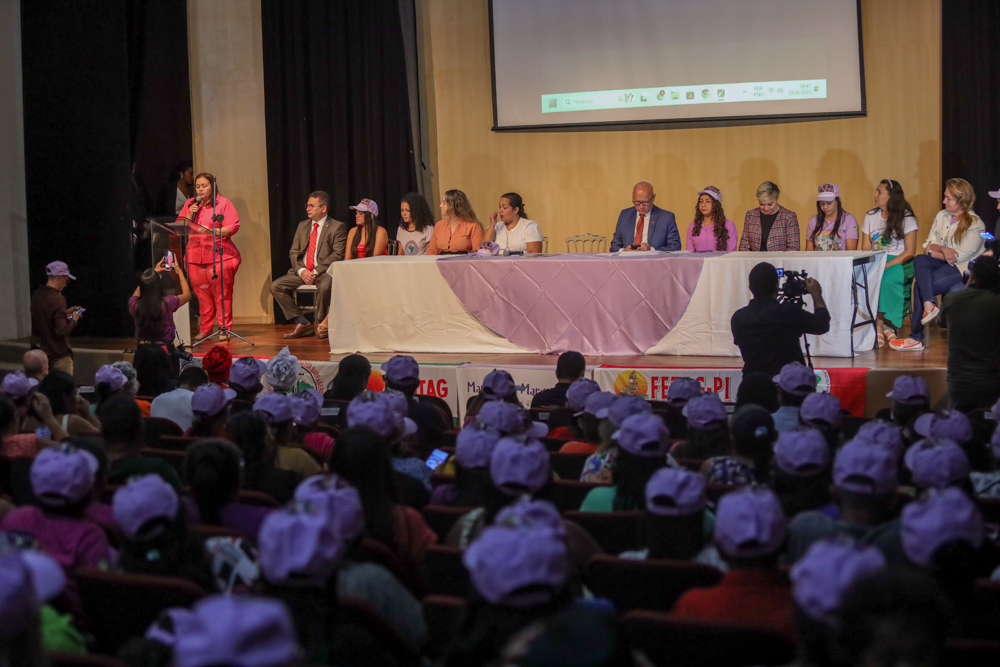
{"points": [[337, 112], [970, 93]]}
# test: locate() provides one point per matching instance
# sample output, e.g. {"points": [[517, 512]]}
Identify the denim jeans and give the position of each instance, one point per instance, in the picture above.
{"points": [[931, 276]]}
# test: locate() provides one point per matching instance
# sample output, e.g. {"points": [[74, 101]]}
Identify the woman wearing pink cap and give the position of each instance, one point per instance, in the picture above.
{"points": [[711, 230], [459, 231], [839, 230], [368, 238]]}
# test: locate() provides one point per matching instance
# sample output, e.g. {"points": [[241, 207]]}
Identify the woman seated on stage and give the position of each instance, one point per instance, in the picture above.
{"points": [[891, 226], [459, 231], [514, 231], [954, 241], [368, 238], [771, 227], [417, 225], [839, 230], [152, 311], [711, 230]]}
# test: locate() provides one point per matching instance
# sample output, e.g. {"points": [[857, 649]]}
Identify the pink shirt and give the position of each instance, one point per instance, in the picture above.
{"points": [[705, 241], [318, 442], [73, 543], [199, 248]]}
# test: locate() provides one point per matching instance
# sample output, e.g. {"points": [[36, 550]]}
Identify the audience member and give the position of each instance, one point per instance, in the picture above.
{"points": [[591, 422], [770, 227], [417, 225], [306, 411], [283, 372], [36, 364], [402, 374], [18, 388], [98, 511], [711, 230], [210, 406], [514, 230], [155, 370], [910, 398], [244, 378], [51, 320], [131, 386], [645, 226], [213, 471], [795, 382], [708, 429], [401, 436], [936, 464], [679, 393], [822, 411], [277, 410], [599, 467], [71, 410], [839, 230], [575, 400], [459, 230], [28, 582], [250, 432], [351, 379], [802, 473], [510, 419], [749, 462], [178, 188], [121, 425], [882, 434], [758, 388], [18, 443], [176, 405], [472, 487], [955, 426], [153, 311], [643, 441], [217, 364], [570, 368]]}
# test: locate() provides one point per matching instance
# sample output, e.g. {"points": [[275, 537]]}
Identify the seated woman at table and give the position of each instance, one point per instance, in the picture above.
{"points": [[368, 238], [514, 231], [839, 230], [891, 226], [416, 226], [771, 227], [711, 230], [459, 231], [954, 241]]}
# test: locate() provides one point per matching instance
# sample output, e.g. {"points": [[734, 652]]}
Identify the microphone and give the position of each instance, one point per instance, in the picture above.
{"points": [[508, 252]]}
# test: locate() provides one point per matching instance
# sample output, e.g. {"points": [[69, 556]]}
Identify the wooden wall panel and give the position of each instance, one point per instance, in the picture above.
{"points": [[575, 182]]}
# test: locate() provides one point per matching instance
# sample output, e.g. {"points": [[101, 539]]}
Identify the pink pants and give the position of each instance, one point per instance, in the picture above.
{"points": [[209, 294]]}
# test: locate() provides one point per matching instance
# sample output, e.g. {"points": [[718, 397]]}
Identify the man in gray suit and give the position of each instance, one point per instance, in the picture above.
{"points": [[319, 242]]}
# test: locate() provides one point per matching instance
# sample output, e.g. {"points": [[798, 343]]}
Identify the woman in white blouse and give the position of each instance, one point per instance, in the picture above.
{"points": [[514, 231], [954, 241]]}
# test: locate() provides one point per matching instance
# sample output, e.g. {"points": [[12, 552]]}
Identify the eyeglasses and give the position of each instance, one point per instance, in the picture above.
{"points": [[315, 205], [642, 203]]}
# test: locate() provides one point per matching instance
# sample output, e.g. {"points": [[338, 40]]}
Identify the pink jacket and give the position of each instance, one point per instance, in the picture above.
{"points": [[199, 248]]}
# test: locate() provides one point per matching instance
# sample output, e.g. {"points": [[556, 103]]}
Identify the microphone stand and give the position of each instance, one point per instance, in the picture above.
{"points": [[217, 252]]}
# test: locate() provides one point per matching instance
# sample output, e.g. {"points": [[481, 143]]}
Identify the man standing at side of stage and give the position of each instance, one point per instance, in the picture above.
{"points": [[319, 242], [645, 226], [51, 321]]}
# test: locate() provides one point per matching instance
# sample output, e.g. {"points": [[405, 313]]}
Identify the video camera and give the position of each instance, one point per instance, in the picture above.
{"points": [[794, 287]]}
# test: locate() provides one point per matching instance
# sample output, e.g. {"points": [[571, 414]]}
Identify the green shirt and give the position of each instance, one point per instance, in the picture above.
{"points": [[136, 465], [59, 633]]}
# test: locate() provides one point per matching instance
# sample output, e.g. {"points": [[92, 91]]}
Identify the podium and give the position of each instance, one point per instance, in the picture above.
{"points": [[168, 234]]}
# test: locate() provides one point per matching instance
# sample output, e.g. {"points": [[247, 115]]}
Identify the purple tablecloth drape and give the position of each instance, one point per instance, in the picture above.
{"points": [[594, 304]]}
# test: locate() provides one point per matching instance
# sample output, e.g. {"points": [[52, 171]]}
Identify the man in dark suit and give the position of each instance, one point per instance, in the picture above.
{"points": [[645, 226], [318, 243]]}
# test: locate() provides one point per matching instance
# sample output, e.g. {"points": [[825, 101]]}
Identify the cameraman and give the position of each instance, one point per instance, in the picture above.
{"points": [[972, 317], [767, 332]]}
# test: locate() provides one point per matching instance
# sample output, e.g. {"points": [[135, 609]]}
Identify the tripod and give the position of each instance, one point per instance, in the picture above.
{"points": [[217, 254]]}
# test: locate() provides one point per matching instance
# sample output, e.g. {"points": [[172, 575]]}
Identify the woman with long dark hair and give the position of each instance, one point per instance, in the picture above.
{"points": [[152, 310], [711, 230], [514, 231], [839, 229], [213, 469], [68, 408], [459, 230], [368, 238], [416, 226], [250, 433], [891, 226], [643, 441]]}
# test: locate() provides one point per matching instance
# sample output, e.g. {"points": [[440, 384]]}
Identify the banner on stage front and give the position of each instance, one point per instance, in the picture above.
{"points": [[653, 383]]}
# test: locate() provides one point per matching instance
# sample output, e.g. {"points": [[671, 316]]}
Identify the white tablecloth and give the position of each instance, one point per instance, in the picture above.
{"points": [[402, 304]]}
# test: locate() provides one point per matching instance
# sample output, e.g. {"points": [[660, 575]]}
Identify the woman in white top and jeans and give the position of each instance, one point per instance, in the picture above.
{"points": [[953, 242], [514, 231]]}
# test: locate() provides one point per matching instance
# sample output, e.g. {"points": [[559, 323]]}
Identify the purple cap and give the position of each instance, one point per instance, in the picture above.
{"points": [[936, 463], [299, 545], [111, 376], [282, 370], [63, 476], [306, 406], [995, 443], [943, 516], [504, 560], [245, 373], [749, 523], [500, 416], [17, 385], [211, 399], [682, 390], [58, 269], [164, 628], [881, 434], [644, 435], [948, 425], [380, 414], [713, 192], [599, 404], [675, 492], [828, 192], [277, 408], [520, 467], [861, 468], [528, 514], [367, 205], [141, 500], [626, 406], [996, 411], [994, 193], [827, 570], [820, 410], [796, 379], [909, 390], [401, 369], [238, 630], [579, 392], [705, 413], [801, 453], [475, 444], [339, 500], [498, 385]]}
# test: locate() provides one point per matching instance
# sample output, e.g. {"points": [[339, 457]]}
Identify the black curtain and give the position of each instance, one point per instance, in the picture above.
{"points": [[970, 92], [337, 112]]}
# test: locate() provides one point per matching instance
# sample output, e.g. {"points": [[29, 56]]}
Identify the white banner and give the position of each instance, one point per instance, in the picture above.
{"points": [[652, 383], [529, 380]]}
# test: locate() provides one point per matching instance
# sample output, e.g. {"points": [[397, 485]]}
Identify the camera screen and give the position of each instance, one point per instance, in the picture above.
{"points": [[781, 273]]}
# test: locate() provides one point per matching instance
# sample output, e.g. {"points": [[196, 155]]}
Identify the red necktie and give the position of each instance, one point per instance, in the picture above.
{"points": [[638, 229], [311, 250]]}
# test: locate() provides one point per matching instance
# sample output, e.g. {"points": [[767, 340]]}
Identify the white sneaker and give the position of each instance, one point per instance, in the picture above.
{"points": [[930, 315]]}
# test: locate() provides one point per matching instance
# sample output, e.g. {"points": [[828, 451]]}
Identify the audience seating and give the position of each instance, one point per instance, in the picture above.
{"points": [[177, 443], [237, 405], [15, 479], [568, 494], [553, 444], [670, 641], [439, 478], [567, 466], [251, 497], [334, 412], [971, 653], [849, 426], [448, 439], [446, 574], [442, 517], [206, 531], [66, 659], [552, 417], [438, 403], [442, 613], [171, 456], [373, 551], [715, 491], [155, 428], [694, 465], [361, 615], [614, 531], [646, 584]]}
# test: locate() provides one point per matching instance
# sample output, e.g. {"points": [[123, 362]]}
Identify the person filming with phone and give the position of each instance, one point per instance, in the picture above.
{"points": [[152, 310]]}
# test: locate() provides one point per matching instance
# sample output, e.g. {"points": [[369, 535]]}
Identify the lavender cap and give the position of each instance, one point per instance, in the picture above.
{"points": [[820, 410], [367, 205], [306, 406], [579, 392], [111, 376], [996, 411], [299, 545], [682, 390], [827, 570], [475, 444], [945, 515], [63, 476], [58, 268], [861, 468], [498, 385], [520, 467], [340, 502], [401, 369], [500, 416], [705, 413], [909, 390], [626, 406], [828, 192], [142, 500], [277, 408], [801, 453], [881, 434], [749, 523], [245, 373], [599, 404], [936, 463], [949, 425], [644, 435], [713, 192], [504, 560], [235, 630], [796, 379], [675, 492], [528, 514], [283, 371], [211, 399], [379, 414], [17, 385], [164, 628]]}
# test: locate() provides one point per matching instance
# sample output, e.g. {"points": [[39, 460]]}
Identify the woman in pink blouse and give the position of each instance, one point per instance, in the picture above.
{"points": [[711, 230], [459, 231], [204, 234]]}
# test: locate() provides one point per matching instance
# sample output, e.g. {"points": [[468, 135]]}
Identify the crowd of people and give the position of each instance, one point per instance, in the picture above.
{"points": [[854, 539]]}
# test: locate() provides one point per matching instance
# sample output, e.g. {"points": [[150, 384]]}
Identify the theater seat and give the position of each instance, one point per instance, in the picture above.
{"points": [[567, 466], [65, 659], [15, 479], [438, 403], [259, 498], [173, 457], [614, 531], [568, 494], [155, 428], [177, 443], [206, 531], [714, 491], [373, 551], [442, 517], [442, 613], [971, 653], [646, 584], [446, 574]]}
